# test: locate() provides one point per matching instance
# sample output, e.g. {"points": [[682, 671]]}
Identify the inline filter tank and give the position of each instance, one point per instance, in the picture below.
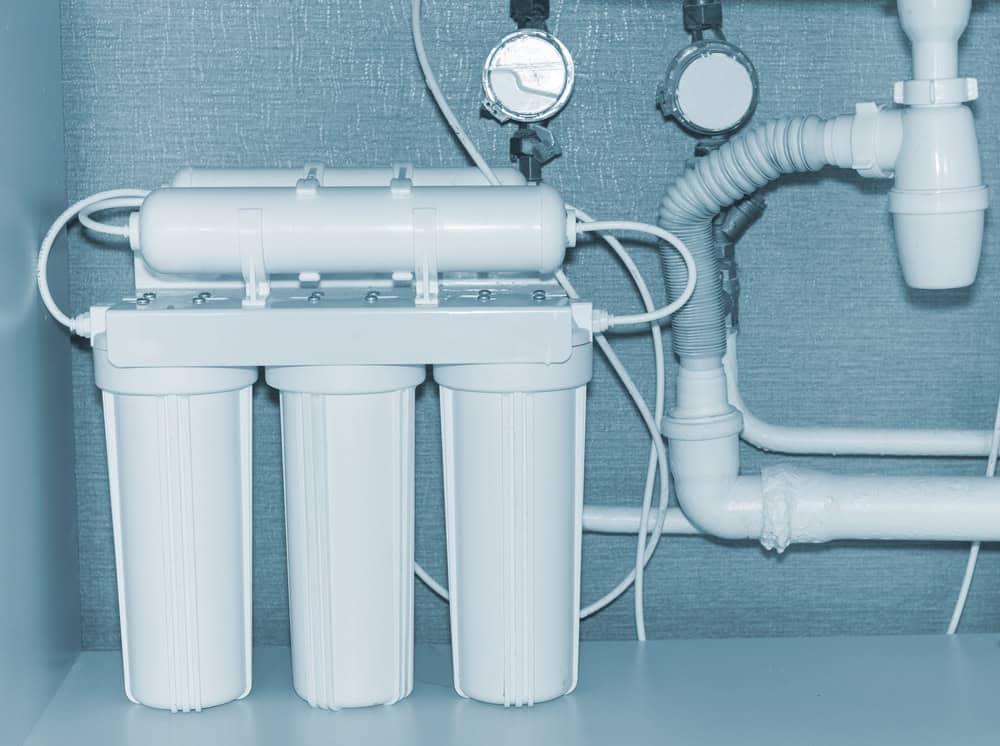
{"points": [[179, 467], [352, 229], [513, 441], [347, 437]]}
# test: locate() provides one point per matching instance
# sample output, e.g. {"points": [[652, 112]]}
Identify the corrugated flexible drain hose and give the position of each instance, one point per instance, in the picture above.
{"points": [[739, 168]]}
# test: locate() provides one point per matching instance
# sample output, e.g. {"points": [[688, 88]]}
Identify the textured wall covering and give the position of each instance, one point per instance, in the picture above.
{"points": [[830, 334], [39, 615]]}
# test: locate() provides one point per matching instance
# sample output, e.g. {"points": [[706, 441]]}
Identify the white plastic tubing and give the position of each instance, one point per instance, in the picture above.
{"points": [[847, 441], [112, 199]]}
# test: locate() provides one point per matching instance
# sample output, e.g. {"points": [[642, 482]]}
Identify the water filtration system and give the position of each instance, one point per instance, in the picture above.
{"points": [[346, 285]]}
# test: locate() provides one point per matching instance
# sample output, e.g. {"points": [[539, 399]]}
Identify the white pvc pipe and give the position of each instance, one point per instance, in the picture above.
{"points": [[606, 519], [938, 202], [934, 28], [848, 441], [802, 505], [788, 505]]}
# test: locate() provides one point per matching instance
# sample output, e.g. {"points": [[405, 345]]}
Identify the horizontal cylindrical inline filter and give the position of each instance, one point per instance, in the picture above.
{"points": [[309, 228], [513, 440], [347, 436], [179, 465]]}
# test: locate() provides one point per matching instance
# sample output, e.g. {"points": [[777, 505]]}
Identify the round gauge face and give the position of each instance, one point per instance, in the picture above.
{"points": [[712, 87], [528, 77]]}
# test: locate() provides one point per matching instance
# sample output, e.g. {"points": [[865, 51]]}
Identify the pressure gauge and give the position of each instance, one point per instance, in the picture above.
{"points": [[710, 89], [528, 77]]}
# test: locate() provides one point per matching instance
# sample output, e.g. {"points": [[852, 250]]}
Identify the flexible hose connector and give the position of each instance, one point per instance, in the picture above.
{"points": [[737, 169]]}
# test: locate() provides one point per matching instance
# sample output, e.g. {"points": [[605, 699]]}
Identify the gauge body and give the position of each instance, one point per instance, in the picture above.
{"points": [[528, 77], [710, 88]]}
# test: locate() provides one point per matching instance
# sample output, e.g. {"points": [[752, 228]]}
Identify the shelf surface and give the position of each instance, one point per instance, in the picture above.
{"points": [[884, 690]]}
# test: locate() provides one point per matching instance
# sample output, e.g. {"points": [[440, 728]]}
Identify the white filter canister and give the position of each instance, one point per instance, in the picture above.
{"points": [[179, 466], [347, 435], [513, 443], [289, 230]]}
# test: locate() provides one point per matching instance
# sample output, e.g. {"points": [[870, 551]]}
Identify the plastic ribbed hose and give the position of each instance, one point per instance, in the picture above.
{"points": [[737, 169], [701, 324]]}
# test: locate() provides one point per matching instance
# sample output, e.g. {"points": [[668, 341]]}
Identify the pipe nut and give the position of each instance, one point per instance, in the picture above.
{"points": [[938, 92], [876, 136], [703, 428]]}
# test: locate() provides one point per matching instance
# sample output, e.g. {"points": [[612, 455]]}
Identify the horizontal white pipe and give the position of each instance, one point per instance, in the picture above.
{"points": [[606, 519], [796, 506], [848, 441], [802, 505]]}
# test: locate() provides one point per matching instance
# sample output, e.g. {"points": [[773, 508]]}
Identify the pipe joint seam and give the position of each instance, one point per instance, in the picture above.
{"points": [[715, 427], [782, 488], [876, 139]]}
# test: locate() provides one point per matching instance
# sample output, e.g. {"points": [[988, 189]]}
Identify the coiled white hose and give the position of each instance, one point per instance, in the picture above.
{"points": [[661, 455], [654, 315], [115, 198], [653, 462], [120, 231]]}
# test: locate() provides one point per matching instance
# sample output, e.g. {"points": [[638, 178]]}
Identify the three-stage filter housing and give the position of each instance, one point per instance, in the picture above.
{"points": [[180, 461]]}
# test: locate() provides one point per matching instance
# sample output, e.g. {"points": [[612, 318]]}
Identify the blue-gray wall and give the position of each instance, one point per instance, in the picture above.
{"points": [[39, 611], [830, 335]]}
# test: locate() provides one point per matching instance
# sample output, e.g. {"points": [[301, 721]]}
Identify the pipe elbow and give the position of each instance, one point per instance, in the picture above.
{"points": [[728, 510], [704, 463], [743, 165]]}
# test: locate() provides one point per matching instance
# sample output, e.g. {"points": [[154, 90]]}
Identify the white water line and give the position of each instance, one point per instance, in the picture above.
{"points": [[787, 505], [847, 441], [614, 519]]}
